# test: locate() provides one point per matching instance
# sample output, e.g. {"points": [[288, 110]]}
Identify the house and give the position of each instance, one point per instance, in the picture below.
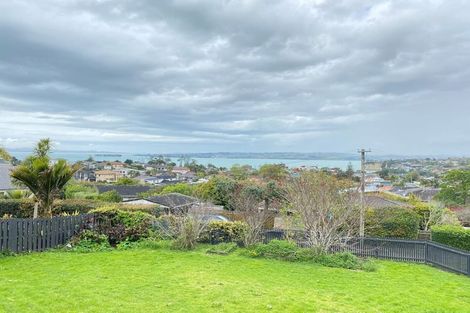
{"points": [[127, 192], [85, 175], [107, 176], [163, 178], [5, 179], [424, 194], [180, 170]]}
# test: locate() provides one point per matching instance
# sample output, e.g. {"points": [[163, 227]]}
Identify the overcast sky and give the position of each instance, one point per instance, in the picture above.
{"points": [[248, 76]]}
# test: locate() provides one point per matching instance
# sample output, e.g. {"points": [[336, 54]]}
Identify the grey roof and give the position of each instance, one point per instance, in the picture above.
{"points": [[173, 200], [125, 191], [5, 179], [376, 202]]}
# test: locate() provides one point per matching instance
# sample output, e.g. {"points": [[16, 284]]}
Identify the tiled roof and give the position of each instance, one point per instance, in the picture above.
{"points": [[173, 200]]}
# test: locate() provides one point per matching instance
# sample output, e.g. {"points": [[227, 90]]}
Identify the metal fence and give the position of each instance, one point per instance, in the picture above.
{"points": [[420, 251], [24, 235]]}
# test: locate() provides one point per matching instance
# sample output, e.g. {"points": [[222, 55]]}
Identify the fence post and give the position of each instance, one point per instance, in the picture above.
{"points": [[468, 265], [426, 252]]}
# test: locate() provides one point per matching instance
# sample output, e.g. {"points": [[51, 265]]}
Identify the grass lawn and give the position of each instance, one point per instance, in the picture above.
{"points": [[170, 281]]}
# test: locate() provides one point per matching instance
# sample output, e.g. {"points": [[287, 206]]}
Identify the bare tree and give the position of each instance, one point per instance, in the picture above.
{"points": [[326, 208], [249, 201], [438, 214]]}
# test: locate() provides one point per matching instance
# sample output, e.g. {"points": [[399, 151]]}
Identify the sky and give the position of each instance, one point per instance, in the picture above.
{"points": [[239, 76]]}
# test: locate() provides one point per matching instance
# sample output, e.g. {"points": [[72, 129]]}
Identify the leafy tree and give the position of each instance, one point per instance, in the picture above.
{"points": [[45, 180], [126, 181], [128, 162], [110, 196], [4, 154], [273, 171], [241, 172], [182, 188], [218, 190], [455, 187]]}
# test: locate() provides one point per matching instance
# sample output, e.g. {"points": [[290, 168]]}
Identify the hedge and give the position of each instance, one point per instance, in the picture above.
{"points": [[394, 222], [454, 236], [224, 232], [23, 208]]}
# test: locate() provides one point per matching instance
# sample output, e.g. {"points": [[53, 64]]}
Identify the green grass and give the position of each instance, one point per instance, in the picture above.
{"points": [[171, 281]]}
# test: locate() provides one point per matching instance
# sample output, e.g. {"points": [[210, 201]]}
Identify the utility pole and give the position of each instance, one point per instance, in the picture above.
{"points": [[363, 187]]}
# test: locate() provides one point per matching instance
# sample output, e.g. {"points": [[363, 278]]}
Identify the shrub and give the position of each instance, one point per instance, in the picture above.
{"points": [[149, 243], [454, 236], [288, 251], [217, 232], [110, 196], [392, 223], [88, 241], [223, 248], [23, 208], [188, 230], [276, 249], [120, 225]]}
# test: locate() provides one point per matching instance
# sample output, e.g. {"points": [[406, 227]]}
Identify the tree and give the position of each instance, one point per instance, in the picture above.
{"points": [[128, 162], [45, 180], [273, 171], [247, 200], [241, 172], [126, 181], [325, 206], [4, 154], [110, 196], [455, 187]]}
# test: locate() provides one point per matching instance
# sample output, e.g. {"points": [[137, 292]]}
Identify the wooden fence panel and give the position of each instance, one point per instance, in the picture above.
{"points": [[419, 251], [22, 235]]}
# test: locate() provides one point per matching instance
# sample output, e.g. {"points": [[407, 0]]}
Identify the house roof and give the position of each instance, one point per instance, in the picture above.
{"points": [[173, 200], [5, 179], [125, 191], [105, 172], [377, 202]]}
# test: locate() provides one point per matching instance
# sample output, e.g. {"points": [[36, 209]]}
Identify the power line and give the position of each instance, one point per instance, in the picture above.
{"points": [[363, 187]]}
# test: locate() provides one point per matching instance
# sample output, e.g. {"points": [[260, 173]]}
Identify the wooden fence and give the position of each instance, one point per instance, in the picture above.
{"points": [[420, 251], [27, 234]]}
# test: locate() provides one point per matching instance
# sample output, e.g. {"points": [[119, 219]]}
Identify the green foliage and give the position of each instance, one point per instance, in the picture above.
{"points": [[46, 181], [110, 196], [88, 241], [455, 187], [148, 243], [241, 172], [80, 191], [454, 236], [4, 154], [275, 172], [23, 208], [289, 251], [223, 248], [181, 188], [126, 181], [392, 222], [224, 232], [120, 225], [218, 190]]}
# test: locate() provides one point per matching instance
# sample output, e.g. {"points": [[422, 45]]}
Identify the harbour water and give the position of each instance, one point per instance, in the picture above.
{"points": [[218, 161]]}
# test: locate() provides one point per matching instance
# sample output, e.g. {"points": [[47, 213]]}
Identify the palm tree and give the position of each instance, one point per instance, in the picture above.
{"points": [[44, 180], [4, 154]]}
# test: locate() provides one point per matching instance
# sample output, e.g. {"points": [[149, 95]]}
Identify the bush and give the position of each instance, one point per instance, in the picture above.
{"points": [[454, 236], [217, 232], [88, 241], [288, 251], [392, 223], [121, 225], [223, 248], [188, 230], [275, 249], [149, 243], [23, 208], [110, 196]]}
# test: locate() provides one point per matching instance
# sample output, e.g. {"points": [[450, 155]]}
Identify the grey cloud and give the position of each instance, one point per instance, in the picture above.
{"points": [[161, 76]]}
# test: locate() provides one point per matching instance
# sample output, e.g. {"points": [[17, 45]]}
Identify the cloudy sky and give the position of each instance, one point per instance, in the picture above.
{"points": [[241, 75]]}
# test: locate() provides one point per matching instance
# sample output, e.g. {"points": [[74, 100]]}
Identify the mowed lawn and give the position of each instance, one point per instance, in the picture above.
{"points": [[170, 281]]}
